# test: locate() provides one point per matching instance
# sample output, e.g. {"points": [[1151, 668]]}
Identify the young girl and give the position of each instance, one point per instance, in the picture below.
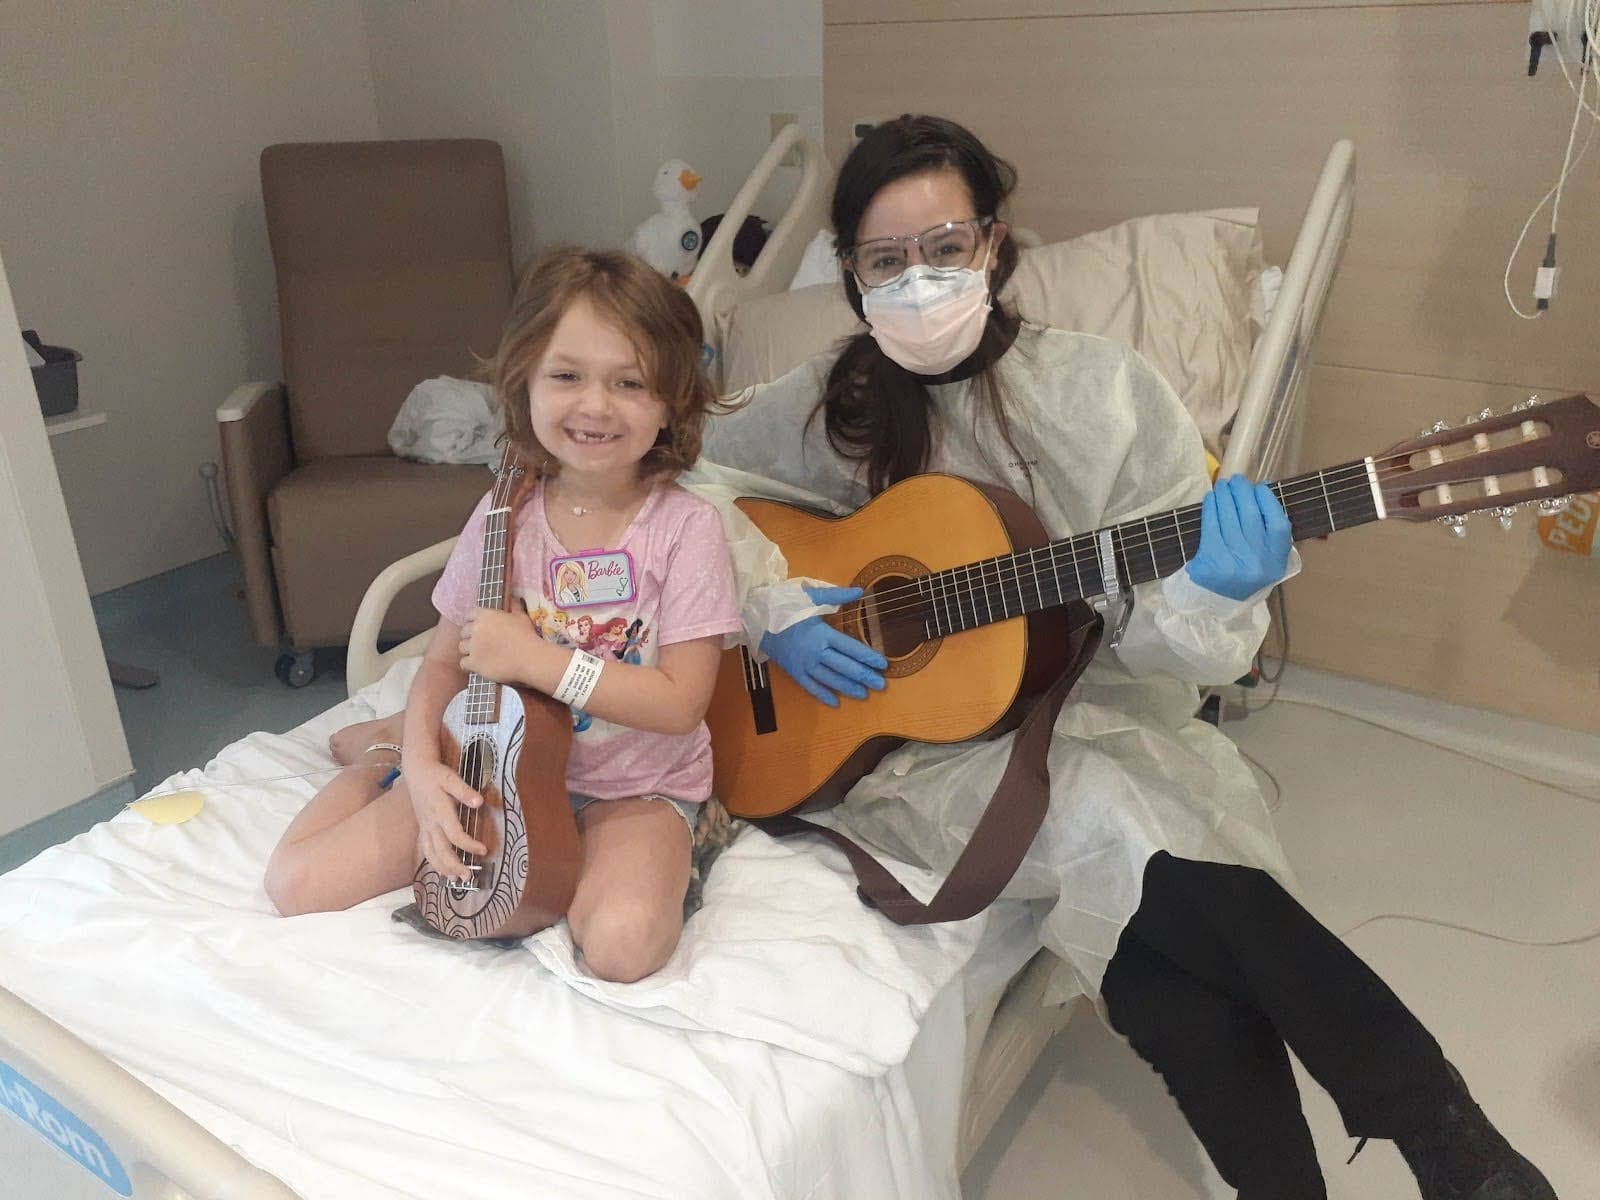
{"points": [[598, 372]]}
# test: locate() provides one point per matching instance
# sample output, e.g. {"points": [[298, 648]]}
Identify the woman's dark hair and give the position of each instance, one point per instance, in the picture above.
{"points": [[874, 410]]}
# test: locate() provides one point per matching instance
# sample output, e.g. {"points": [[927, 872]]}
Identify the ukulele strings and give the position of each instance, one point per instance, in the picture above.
{"points": [[491, 594], [910, 597]]}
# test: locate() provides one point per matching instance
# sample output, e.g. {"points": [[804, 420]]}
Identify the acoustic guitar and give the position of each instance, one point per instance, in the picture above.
{"points": [[510, 745], [960, 579]]}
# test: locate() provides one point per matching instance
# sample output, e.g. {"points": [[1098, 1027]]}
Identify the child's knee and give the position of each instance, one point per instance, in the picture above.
{"points": [[624, 941], [287, 882]]}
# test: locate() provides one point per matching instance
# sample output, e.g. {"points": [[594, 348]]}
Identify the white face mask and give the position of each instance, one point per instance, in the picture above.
{"points": [[928, 320]]}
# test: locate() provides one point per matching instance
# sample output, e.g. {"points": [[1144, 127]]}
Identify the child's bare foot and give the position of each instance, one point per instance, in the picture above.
{"points": [[348, 744]]}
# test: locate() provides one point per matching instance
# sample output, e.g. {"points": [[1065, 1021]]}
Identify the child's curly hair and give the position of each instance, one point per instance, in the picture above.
{"points": [[655, 314]]}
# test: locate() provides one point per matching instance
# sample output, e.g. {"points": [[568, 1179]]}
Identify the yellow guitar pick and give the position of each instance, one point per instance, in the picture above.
{"points": [[174, 808]]}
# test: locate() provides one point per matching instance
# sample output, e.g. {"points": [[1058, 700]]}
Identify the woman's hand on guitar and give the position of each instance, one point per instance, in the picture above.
{"points": [[821, 659], [1244, 539], [436, 792], [498, 645]]}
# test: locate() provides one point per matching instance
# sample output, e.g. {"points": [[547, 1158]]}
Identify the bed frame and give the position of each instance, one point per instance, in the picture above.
{"points": [[73, 1123]]}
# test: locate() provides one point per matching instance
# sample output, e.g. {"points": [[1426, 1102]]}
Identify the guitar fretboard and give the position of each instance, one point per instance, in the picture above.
{"points": [[1013, 585]]}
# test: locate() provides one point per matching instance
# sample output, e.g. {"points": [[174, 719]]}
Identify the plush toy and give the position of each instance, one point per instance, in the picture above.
{"points": [[747, 243], [669, 240]]}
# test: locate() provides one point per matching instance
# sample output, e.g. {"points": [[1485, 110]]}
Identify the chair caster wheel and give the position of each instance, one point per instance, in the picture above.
{"points": [[296, 670]]}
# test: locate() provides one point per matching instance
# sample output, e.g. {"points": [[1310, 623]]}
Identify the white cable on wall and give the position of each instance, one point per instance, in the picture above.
{"points": [[1589, 64]]}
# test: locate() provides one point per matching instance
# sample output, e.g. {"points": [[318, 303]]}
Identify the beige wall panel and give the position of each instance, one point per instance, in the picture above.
{"points": [[1495, 620], [869, 12], [1115, 116]]}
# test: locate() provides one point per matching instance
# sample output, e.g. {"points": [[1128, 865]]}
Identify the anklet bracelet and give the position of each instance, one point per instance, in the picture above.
{"points": [[382, 746]]}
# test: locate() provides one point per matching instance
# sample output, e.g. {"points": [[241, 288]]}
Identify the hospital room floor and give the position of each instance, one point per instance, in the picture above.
{"points": [[1374, 822]]}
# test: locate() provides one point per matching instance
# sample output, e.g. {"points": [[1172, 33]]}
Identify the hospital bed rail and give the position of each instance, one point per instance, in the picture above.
{"points": [[70, 1112], [75, 1125]]}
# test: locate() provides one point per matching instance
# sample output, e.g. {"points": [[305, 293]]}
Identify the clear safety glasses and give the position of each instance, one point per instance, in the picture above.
{"points": [[949, 247]]}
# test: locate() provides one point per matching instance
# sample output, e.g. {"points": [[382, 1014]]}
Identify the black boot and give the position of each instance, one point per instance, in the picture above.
{"points": [[1459, 1155]]}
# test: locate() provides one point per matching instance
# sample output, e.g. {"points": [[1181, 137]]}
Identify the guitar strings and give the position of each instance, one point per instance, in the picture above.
{"points": [[910, 596]]}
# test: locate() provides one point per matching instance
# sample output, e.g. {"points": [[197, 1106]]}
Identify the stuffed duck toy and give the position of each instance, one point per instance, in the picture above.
{"points": [[669, 240]]}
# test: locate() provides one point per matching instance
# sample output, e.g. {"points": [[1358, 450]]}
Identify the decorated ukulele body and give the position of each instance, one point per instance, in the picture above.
{"points": [[510, 746]]}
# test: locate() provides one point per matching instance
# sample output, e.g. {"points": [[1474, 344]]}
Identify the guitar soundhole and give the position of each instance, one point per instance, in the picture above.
{"points": [[893, 617]]}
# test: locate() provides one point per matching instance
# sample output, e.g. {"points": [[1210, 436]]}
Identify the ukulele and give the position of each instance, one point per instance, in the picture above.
{"points": [[510, 745], [960, 579]]}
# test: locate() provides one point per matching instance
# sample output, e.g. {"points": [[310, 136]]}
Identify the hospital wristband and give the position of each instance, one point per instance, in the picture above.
{"points": [[577, 682]]}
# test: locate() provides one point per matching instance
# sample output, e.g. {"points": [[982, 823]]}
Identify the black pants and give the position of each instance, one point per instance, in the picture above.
{"points": [[1217, 971]]}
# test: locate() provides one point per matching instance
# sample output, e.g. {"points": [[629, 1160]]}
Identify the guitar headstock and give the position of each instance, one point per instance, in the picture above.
{"points": [[1537, 452]]}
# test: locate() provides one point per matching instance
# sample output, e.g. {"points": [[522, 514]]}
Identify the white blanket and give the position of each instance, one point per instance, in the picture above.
{"points": [[448, 420], [353, 1057]]}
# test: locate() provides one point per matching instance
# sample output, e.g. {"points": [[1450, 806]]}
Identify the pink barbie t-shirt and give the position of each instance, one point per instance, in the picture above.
{"points": [[674, 561]]}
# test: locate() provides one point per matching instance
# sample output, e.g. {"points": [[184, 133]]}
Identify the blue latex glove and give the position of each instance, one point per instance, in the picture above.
{"points": [[821, 659], [1244, 539]]}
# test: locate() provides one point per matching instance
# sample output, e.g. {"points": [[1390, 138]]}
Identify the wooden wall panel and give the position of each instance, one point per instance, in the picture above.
{"points": [[872, 12], [1495, 620], [1112, 117], [1181, 106]]}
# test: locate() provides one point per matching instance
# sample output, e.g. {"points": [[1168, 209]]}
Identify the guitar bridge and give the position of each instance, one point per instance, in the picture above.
{"points": [[758, 684]]}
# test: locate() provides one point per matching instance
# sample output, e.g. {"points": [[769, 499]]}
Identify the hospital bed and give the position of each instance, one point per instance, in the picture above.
{"points": [[163, 1035]]}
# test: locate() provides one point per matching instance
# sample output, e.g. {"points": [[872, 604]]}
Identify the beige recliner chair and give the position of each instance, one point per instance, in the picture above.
{"points": [[394, 266]]}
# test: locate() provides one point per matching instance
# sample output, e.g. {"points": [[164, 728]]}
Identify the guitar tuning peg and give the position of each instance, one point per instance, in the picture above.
{"points": [[1505, 514], [1439, 427], [1483, 415], [1456, 524], [1551, 505], [1524, 405]]}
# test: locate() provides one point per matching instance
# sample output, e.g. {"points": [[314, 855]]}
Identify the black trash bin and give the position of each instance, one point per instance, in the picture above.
{"points": [[56, 381]]}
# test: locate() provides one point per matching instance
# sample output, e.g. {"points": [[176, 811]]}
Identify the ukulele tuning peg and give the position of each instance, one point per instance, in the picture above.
{"points": [[1456, 524]]}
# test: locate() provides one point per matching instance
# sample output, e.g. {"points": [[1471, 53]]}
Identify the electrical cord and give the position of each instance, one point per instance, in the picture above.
{"points": [[1589, 64], [1417, 918], [1477, 758]]}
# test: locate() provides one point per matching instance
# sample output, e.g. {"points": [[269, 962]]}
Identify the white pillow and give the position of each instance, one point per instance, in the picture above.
{"points": [[1181, 288], [817, 264]]}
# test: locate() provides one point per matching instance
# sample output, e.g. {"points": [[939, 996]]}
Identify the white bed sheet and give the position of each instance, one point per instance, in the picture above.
{"points": [[802, 1049]]}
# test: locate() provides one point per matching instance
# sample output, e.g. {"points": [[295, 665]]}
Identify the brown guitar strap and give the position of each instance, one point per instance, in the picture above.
{"points": [[1003, 834]]}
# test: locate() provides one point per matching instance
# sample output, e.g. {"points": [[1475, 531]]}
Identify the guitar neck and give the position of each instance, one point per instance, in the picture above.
{"points": [[1076, 568]]}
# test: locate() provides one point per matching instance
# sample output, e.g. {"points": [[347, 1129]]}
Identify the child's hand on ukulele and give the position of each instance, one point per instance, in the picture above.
{"points": [[498, 644], [436, 791]]}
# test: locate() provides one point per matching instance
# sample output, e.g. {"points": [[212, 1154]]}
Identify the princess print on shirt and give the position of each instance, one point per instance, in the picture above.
{"points": [[610, 637], [633, 641]]}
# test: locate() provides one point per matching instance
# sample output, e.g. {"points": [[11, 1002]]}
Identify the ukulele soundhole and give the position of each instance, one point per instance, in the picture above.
{"points": [[894, 616], [478, 772]]}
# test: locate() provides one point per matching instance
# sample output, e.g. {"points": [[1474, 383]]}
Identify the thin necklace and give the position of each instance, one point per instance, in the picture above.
{"points": [[583, 510]]}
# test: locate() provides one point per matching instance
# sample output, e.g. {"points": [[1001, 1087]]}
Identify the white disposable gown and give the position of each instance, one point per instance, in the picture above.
{"points": [[1104, 439]]}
